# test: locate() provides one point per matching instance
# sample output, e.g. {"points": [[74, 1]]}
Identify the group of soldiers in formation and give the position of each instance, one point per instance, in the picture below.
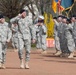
{"points": [[22, 32], [65, 36]]}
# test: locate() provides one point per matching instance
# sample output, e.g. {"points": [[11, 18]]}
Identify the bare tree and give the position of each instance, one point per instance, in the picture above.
{"points": [[11, 8], [73, 10]]}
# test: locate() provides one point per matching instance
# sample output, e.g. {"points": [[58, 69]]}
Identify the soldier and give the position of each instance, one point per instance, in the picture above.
{"points": [[57, 22], [73, 20], [24, 38], [41, 34], [69, 37], [15, 36], [63, 40], [5, 36]]}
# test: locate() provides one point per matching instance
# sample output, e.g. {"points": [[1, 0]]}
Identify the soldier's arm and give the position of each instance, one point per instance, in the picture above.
{"points": [[56, 22], [14, 20], [9, 35], [30, 22], [44, 29], [31, 27], [55, 30], [34, 32], [70, 28], [14, 27]]}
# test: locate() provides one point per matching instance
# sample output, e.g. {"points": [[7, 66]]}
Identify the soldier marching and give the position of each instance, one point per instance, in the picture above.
{"points": [[65, 34], [23, 33]]}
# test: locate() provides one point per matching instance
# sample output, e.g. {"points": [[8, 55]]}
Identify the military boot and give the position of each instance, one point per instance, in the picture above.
{"points": [[0, 65], [71, 55], [39, 50], [15, 50], [21, 64], [58, 53], [44, 52], [26, 65], [3, 67]]}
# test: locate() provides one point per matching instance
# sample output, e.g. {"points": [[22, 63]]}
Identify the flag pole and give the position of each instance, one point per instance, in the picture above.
{"points": [[71, 8]]}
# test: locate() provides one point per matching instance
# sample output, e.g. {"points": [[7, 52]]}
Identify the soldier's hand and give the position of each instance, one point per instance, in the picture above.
{"points": [[19, 15], [33, 41], [8, 41], [38, 24], [41, 24]]}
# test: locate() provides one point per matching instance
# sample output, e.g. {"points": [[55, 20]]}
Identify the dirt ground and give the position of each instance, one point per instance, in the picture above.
{"points": [[39, 64]]}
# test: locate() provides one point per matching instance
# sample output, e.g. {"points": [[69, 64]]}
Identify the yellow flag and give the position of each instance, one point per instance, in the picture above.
{"points": [[49, 24], [54, 5]]}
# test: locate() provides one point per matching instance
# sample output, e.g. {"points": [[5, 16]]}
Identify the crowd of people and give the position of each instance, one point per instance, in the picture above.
{"points": [[65, 36]]}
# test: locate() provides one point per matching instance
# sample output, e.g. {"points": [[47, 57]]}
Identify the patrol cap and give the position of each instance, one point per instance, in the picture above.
{"points": [[21, 11], [1, 16], [41, 17]]}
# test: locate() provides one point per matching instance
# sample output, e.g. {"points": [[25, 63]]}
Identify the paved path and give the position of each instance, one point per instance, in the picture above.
{"points": [[39, 65]]}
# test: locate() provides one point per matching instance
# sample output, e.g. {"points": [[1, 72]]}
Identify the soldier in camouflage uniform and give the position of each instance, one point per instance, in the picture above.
{"points": [[69, 38], [41, 34], [57, 22], [73, 20], [60, 36], [63, 42], [15, 36], [66, 39], [5, 36], [24, 38]]}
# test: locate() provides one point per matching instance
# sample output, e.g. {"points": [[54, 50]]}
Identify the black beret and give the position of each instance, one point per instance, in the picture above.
{"points": [[64, 17], [74, 16], [60, 16], [1, 16], [68, 20], [21, 11], [54, 17]]}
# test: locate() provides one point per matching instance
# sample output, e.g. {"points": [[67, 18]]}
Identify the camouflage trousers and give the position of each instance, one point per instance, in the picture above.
{"points": [[24, 44], [57, 44], [3, 48], [41, 43]]}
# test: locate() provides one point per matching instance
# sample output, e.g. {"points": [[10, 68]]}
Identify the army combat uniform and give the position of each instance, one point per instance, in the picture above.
{"points": [[56, 37], [74, 32], [15, 36], [24, 38], [69, 38], [41, 36], [5, 34], [63, 43]]}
